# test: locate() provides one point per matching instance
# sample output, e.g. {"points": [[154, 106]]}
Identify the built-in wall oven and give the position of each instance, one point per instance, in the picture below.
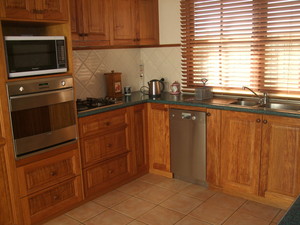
{"points": [[42, 113]]}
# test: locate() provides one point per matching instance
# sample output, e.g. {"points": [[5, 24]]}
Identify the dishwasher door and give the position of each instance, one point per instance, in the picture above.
{"points": [[188, 145]]}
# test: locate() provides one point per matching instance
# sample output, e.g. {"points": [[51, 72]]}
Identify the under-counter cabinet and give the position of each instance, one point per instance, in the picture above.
{"points": [[90, 22], [159, 139], [35, 9], [106, 157], [49, 186]]}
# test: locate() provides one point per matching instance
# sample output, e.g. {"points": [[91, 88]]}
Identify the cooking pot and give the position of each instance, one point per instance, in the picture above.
{"points": [[155, 88]]}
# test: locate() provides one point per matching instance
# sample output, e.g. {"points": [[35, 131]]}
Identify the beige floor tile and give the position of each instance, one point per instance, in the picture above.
{"points": [[188, 220], [212, 213], [173, 184], [240, 218], [86, 211], [63, 220], [109, 217], [197, 191], [279, 216], [111, 198], [135, 187], [135, 222], [181, 203], [134, 207], [226, 201], [155, 194], [161, 216], [259, 210], [153, 178]]}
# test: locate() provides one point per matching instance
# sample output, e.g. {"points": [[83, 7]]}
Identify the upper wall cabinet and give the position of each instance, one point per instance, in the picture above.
{"points": [[35, 9], [135, 22], [90, 22]]}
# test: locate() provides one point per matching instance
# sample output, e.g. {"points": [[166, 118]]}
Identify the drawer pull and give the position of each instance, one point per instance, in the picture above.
{"points": [[258, 120], [55, 197], [107, 123], [110, 171], [53, 173], [109, 145]]}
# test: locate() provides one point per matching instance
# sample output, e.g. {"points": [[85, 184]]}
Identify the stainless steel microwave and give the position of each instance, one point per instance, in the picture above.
{"points": [[35, 55]]}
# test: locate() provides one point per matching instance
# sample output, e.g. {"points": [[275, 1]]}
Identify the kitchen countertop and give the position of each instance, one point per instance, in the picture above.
{"points": [[188, 100], [292, 217]]}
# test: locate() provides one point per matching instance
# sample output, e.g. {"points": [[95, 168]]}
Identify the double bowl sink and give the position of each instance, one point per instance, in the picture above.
{"points": [[271, 105]]}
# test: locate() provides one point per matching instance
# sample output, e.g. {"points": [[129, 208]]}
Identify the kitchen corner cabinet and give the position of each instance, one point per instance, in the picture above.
{"points": [[280, 161], [240, 151], [159, 139], [90, 22], [134, 22], [106, 157], [138, 138], [35, 9]]}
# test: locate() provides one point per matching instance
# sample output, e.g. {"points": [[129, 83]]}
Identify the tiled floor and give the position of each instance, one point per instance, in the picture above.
{"points": [[157, 200]]}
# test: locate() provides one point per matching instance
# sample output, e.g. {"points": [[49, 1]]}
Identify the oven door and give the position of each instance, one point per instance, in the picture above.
{"points": [[43, 120]]}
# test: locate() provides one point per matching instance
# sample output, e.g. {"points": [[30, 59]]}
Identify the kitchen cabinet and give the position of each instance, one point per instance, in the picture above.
{"points": [[49, 185], [213, 139], [35, 10], [90, 22], [280, 161], [135, 22], [6, 214], [106, 156], [159, 139], [138, 138], [240, 151]]}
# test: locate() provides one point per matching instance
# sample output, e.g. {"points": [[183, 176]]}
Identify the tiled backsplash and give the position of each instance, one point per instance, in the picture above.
{"points": [[90, 66]]}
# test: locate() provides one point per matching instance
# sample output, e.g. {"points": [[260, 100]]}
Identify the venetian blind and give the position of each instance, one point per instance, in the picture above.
{"points": [[235, 43]]}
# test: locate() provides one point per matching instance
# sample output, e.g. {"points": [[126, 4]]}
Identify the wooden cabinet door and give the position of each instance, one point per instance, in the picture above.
{"points": [[52, 10], [124, 22], [240, 151], [18, 9], [90, 22], [159, 138], [280, 172], [213, 154], [138, 138], [148, 22], [6, 215]]}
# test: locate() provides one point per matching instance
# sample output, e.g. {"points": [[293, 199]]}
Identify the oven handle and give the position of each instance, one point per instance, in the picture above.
{"points": [[36, 100]]}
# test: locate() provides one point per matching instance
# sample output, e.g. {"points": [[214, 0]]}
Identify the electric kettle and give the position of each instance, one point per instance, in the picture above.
{"points": [[155, 87]]}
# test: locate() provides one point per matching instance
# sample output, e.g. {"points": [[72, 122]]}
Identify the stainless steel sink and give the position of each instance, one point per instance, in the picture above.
{"points": [[282, 106], [243, 102]]}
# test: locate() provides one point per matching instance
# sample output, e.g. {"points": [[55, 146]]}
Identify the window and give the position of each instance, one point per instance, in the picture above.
{"points": [[235, 43]]}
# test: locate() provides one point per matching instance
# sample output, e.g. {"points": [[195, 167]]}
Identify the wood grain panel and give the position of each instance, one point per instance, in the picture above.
{"points": [[280, 173], [18, 9], [240, 151], [52, 10]]}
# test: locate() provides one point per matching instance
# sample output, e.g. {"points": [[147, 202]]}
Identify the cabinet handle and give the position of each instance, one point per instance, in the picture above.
{"points": [[109, 145], [265, 121], [55, 197], [107, 123], [85, 34], [258, 120], [110, 171], [53, 173], [208, 114]]}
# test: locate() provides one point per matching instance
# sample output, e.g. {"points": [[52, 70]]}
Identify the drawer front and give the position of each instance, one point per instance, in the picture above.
{"points": [[41, 205], [102, 176], [98, 148], [102, 122], [41, 174]]}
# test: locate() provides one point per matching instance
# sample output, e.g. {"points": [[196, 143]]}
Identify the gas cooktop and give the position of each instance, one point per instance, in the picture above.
{"points": [[93, 103]]}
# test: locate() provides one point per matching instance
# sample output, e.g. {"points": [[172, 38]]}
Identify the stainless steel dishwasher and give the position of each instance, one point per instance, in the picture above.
{"points": [[188, 145]]}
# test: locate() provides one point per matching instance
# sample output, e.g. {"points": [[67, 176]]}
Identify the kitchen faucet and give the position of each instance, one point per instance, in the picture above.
{"points": [[263, 100]]}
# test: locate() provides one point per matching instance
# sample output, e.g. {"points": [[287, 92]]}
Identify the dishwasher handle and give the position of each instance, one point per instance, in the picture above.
{"points": [[188, 116]]}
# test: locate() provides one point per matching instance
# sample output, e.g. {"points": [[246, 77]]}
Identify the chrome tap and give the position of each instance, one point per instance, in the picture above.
{"points": [[262, 100]]}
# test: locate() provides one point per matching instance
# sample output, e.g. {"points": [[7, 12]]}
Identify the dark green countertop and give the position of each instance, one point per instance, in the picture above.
{"points": [[187, 100], [292, 217]]}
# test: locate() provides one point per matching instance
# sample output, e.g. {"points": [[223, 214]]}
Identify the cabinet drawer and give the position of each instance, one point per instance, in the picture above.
{"points": [[47, 172], [43, 204], [102, 122], [103, 175], [97, 148]]}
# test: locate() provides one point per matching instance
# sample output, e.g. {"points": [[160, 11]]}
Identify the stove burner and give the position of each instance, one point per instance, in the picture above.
{"points": [[91, 103]]}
